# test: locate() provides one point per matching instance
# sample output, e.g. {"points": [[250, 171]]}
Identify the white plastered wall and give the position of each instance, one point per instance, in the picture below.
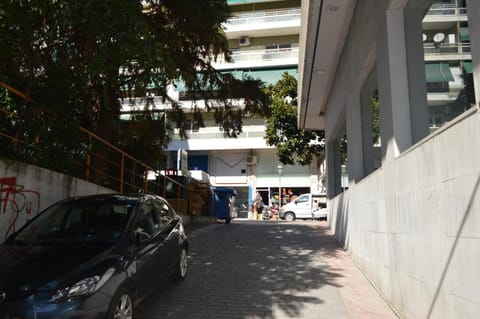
{"points": [[412, 225]]}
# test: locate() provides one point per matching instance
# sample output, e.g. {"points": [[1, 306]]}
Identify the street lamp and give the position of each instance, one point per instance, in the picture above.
{"points": [[280, 172]]}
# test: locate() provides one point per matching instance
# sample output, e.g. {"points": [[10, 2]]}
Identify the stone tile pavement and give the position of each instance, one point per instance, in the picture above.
{"points": [[267, 269]]}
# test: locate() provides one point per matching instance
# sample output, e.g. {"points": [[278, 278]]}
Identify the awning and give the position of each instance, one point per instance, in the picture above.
{"points": [[438, 72], [468, 67], [464, 34]]}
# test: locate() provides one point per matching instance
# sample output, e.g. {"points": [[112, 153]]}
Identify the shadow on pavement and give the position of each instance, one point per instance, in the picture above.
{"points": [[250, 270]]}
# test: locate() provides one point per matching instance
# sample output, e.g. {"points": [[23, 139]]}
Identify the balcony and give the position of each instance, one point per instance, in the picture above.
{"points": [[447, 51], [210, 138], [261, 58], [209, 135], [444, 13], [446, 9], [264, 23]]}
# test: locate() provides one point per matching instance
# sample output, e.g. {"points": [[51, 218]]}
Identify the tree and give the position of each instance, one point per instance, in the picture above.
{"points": [[293, 145], [375, 111], [77, 59]]}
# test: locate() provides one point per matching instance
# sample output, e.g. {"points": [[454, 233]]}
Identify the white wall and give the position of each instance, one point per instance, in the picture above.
{"points": [[25, 190], [421, 243]]}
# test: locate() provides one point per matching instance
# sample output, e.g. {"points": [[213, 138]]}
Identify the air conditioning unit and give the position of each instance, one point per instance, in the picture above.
{"points": [[251, 160], [439, 37], [244, 41]]}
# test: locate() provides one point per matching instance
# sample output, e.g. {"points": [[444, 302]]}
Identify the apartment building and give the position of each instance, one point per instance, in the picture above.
{"points": [[264, 39], [448, 61]]}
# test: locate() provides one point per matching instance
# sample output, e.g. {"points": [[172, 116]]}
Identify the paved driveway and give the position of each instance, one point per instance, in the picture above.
{"points": [[266, 269]]}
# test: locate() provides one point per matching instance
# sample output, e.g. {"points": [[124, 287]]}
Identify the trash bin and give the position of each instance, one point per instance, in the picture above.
{"points": [[220, 203]]}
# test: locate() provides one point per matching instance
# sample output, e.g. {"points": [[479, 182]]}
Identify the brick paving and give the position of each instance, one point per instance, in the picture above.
{"points": [[267, 269]]}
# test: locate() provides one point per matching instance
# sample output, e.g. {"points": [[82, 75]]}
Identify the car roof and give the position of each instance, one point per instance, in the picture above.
{"points": [[140, 197]]}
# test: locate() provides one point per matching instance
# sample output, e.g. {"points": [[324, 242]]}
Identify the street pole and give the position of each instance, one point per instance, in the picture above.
{"points": [[280, 171]]}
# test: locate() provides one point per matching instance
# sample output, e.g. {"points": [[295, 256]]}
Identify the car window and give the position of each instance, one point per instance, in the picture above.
{"points": [[146, 225], [164, 212], [302, 199], [93, 220]]}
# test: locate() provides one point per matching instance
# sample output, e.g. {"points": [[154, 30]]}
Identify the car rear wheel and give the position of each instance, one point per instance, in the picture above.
{"points": [[182, 266], [289, 217], [122, 306]]}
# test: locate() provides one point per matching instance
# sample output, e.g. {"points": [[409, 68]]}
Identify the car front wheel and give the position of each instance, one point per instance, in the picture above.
{"points": [[289, 217], [182, 266], [122, 306]]}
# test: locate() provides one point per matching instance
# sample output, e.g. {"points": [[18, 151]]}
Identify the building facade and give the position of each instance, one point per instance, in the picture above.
{"points": [[448, 61], [410, 214], [264, 39]]}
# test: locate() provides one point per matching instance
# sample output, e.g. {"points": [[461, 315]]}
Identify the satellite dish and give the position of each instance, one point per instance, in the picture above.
{"points": [[438, 37], [424, 37]]}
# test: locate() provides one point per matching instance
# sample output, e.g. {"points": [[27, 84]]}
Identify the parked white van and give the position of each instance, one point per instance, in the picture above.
{"points": [[305, 206]]}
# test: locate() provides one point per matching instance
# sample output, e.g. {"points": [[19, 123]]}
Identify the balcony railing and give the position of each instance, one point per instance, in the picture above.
{"points": [[259, 56], [265, 54], [218, 135], [264, 17], [446, 9], [447, 48]]}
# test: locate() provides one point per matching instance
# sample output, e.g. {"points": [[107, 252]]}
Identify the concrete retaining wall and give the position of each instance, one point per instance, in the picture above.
{"points": [[25, 190], [421, 245]]}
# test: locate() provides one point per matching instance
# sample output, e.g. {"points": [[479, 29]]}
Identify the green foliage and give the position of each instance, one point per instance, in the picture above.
{"points": [[293, 145], [66, 56], [375, 109]]}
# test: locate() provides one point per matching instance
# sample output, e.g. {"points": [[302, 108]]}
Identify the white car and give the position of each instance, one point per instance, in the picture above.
{"points": [[320, 213]]}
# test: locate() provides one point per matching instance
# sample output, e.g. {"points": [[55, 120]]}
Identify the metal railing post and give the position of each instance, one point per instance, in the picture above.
{"points": [[88, 160], [122, 172]]}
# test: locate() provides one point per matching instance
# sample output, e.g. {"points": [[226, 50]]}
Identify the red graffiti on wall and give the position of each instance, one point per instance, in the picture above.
{"points": [[16, 201]]}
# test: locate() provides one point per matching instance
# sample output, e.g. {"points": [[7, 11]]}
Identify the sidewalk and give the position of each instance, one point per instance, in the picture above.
{"points": [[267, 269], [360, 298]]}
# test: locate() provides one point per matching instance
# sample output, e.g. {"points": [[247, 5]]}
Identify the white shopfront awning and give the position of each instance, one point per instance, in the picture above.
{"points": [[287, 181]]}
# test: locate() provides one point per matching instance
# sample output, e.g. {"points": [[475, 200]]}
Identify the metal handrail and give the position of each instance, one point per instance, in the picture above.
{"points": [[447, 48], [122, 165], [447, 11]]}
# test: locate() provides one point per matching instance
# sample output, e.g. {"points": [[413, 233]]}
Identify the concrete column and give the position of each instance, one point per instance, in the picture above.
{"points": [[401, 79], [355, 139], [334, 161], [392, 82], [417, 85], [369, 88], [473, 7]]}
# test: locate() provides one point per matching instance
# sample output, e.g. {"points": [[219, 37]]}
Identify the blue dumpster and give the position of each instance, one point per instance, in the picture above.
{"points": [[220, 203]]}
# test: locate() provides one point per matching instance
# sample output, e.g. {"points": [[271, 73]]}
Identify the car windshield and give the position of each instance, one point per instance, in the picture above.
{"points": [[87, 220]]}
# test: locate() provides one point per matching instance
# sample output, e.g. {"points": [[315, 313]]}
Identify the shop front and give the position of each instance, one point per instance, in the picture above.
{"points": [[289, 187]]}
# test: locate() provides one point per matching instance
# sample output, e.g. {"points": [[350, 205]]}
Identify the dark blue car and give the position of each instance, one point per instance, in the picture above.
{"points": [[91, 257]]}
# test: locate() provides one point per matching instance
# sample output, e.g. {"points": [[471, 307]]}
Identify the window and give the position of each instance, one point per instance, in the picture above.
{"points": [[193, 126], [436, 121], [302, 199], [163, 212], [85, 220], [146, 225]]}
